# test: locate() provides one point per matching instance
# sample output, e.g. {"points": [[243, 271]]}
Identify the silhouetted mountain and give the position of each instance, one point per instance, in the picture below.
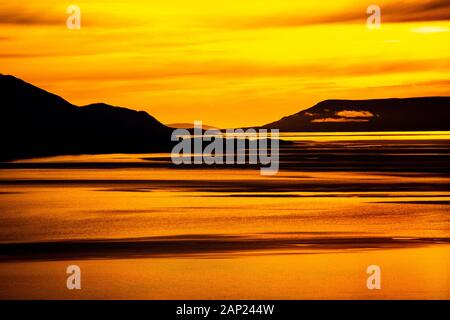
{"points": [[411, 114], [189, 126], [34, 122]]}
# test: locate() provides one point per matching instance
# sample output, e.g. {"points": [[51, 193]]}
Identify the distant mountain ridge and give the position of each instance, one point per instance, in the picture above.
{"points": [[34, 122], [189, 126], [408, 114]]}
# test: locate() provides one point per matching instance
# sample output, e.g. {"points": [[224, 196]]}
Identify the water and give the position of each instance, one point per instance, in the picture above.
{"points": [[141, 228]]}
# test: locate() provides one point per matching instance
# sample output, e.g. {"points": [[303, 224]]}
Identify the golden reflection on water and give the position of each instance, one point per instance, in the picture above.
{"points": [[420, 273], [362, 136], [231, 233], [87, 204]]}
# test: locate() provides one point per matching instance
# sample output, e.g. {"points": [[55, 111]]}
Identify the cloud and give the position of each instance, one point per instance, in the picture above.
{"points": [[354, 114], [394, 11], [229, 69], [430, 29], [339, 120], [46, 15], [431, 10], [27, 16]]}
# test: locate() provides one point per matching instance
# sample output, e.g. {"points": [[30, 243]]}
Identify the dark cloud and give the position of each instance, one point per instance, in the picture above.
{"points": [[396, 11], [433, 10], [26, 17]]}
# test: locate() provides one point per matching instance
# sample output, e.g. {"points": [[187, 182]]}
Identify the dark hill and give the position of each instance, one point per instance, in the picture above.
{"points": [[410, 114], [34, 122]]}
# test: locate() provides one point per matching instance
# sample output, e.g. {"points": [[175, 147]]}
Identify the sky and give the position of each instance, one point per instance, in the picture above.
{"points": [[227, 63]]}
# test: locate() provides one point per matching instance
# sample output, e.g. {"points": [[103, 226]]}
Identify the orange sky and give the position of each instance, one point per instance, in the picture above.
{"points": [[227, 63]]}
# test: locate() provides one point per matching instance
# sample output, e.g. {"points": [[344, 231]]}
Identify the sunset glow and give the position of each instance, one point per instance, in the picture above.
{"points": [[229, 63]]}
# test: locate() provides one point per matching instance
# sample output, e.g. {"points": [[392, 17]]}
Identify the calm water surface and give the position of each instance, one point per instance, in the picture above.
{"points": [[141, 228]]}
